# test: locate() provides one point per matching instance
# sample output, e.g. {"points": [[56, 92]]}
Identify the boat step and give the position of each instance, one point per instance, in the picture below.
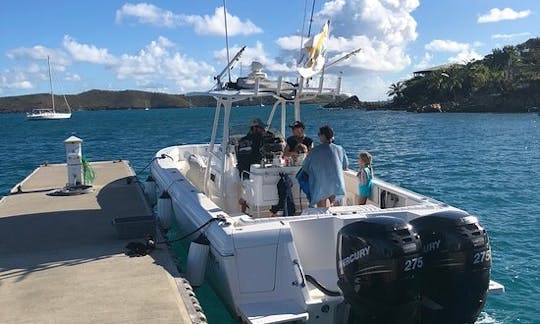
{"points": [[273, 312]]}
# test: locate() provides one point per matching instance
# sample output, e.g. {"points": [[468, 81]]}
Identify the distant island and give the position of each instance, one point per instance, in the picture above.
{"points": [[126, 99], [507, 80]]}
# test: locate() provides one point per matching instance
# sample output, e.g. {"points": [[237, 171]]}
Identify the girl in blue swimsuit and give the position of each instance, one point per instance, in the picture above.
{"points": [[364, 176]]}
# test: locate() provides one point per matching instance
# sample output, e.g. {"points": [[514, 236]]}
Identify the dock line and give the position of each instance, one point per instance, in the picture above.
{"points": [[140, 249], [161, 157]]}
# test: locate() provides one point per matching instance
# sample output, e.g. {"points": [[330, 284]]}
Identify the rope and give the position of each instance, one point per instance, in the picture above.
{"points": [[322, 288], [162, 156], [135, 249], [219, 218]]}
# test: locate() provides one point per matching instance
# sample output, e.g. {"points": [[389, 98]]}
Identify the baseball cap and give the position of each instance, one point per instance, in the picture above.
{"points": [[256, 122], [297, 124]]}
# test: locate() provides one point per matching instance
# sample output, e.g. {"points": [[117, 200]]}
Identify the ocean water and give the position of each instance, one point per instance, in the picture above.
{"points": [[487, 164]]}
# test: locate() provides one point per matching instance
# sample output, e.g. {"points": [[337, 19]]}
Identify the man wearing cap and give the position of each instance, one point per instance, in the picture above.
{"points": [[254, 146], [298, 142]]}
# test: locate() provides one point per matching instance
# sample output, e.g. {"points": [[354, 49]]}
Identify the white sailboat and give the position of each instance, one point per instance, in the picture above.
{"points": [[49, 113], [400, 256]]}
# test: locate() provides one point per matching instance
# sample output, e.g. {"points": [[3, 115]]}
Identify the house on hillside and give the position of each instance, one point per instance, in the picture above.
{"points": [[437, 68]]}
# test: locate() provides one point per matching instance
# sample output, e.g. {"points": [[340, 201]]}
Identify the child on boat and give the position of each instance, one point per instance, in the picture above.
{"points": [[364, 175]]}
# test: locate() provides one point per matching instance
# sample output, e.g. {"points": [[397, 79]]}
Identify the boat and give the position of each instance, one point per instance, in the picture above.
{"points": [[49, 113], [400, 257]]}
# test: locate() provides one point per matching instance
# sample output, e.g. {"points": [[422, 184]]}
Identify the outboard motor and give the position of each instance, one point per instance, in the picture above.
{"points": [[378, 260], [457, 262]]}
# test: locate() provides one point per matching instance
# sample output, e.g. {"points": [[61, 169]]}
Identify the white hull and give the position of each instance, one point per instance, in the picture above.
{"points": [[257, 265], [47, 116]]}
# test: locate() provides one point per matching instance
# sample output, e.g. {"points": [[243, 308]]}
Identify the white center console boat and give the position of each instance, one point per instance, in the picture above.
{"points": [[401, 258]]}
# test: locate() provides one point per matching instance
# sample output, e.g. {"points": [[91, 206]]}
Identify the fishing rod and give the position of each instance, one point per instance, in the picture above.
{"points": [[356, 51], [229, 66]]}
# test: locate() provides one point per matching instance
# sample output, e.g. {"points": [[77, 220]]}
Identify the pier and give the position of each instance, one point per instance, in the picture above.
{"points": [[61, 259]]}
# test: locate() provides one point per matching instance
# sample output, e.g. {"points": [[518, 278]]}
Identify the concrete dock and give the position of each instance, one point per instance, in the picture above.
{"points": [[61, 260]]}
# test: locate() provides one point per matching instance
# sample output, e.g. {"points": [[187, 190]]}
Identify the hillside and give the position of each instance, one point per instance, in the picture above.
{"points": [[101, 99], [507, 80], [127, 99]]}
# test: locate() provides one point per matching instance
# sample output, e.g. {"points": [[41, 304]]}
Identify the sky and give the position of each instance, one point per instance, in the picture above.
{"points": [[179, 46]]}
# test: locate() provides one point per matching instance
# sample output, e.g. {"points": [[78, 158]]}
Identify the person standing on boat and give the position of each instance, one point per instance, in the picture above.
{"points": [[364, 176], [257, 145], [324, 166], [297, 143]]}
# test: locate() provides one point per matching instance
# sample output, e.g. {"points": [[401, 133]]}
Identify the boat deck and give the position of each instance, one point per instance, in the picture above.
{"points": [[61, 260]]}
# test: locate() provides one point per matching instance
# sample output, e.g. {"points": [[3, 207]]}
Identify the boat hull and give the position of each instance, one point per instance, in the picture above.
{"points": [[48, 116], [258, 266]]}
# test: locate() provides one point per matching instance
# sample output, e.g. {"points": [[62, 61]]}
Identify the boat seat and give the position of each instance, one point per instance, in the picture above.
{"points": [[282, 311]]}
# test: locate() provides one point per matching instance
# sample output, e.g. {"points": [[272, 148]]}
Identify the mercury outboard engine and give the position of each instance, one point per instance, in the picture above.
{"points": [[457, 262], [378, 260]]}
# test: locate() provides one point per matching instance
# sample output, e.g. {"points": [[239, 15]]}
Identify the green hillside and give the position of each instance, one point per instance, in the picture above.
{"points": [[127, 99], [507, 80]]}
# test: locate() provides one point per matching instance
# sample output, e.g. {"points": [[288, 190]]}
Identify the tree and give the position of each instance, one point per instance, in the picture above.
{"points": [[396, 91]]}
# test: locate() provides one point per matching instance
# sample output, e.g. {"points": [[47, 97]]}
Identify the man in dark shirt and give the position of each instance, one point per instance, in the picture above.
{"points": [[298, 143], [256, 145]]}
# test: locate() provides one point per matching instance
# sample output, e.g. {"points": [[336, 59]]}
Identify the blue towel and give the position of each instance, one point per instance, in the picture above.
{"points": [[324, 166]]}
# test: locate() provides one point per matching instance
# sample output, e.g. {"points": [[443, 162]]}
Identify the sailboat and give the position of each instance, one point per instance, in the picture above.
{"points": [[49, 113]]}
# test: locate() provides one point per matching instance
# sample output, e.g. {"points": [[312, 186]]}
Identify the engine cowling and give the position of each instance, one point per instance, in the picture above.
{"points": [[378, 260], [457, 263]]}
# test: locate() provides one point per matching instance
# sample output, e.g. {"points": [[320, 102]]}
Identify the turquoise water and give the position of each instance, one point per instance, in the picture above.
{"points": [[486, 164]]}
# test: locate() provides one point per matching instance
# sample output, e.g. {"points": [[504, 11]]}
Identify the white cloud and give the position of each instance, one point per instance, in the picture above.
{"points": [[156, 63], [59, 59], [465, 56], [11, 79], [255, 53], [150, 14], [496, 14], [440, 45], [290, 43], [510, 36], [478, 44], [382, 28], [368, 86], [145, 13], [425, 61], [464, 52], [72, 77], [214, 25], [87, 53]]}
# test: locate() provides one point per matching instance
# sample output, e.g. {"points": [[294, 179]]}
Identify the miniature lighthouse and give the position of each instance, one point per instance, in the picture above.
{"points": [[74, 161]]}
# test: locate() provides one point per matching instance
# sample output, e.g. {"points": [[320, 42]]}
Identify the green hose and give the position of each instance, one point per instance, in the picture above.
{"points": [[88, 172]]}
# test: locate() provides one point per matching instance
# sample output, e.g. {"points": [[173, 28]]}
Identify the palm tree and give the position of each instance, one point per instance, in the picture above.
{"points": [[396, 91]]}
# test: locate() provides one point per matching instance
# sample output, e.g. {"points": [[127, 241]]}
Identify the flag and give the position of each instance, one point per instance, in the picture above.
{"points": [[314, 53]]}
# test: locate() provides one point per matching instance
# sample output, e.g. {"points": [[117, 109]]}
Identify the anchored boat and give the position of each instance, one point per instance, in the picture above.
{"points": [[49, 113]]}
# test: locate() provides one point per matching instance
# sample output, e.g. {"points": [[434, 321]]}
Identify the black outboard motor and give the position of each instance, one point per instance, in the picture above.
{"points": [[457, 262], [378, 260]]}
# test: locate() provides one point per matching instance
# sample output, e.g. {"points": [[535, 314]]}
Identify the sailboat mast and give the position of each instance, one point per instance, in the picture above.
{"points": [[50, 82]]}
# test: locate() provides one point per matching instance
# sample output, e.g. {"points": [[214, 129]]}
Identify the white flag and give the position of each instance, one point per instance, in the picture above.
{"points": [[315, 52]]}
